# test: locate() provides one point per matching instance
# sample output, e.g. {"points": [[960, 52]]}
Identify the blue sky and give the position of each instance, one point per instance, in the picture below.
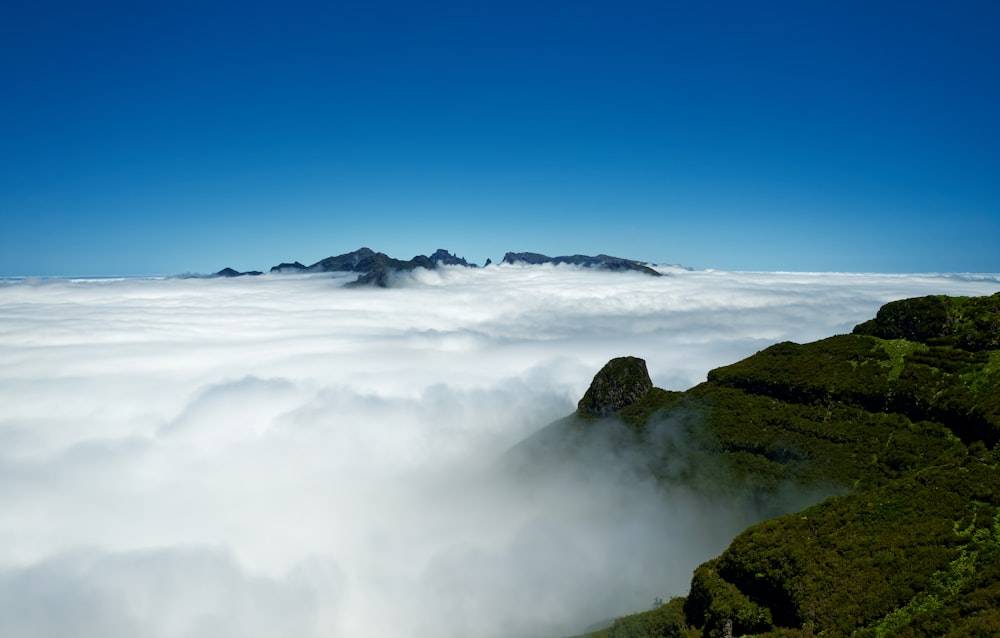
{"points": [[159, 138]]}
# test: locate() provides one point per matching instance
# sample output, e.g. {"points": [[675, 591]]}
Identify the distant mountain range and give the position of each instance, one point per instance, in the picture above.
{"points": [[375, 268]]}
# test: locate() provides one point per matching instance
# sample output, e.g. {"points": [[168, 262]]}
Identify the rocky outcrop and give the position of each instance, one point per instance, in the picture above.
{"points": [[442, 257], [620, 383], [286, 267], [375, 267], [379, 277], [230, 272], [526, 258], [360, 260]]}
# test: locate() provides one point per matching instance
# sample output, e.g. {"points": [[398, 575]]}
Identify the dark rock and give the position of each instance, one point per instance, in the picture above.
{"points": [[620, 383], [443, 257], [377, 268], [229, 272], [526, 258], [604, 262], [378, 276], [286, 267], [418, 261], [361, 260]]}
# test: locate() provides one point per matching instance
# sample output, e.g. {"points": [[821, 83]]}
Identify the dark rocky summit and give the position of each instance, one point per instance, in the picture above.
{"points": [[365, 260], [360, 260], [620, 383], [604, 262], [229, 272], [442, 257], [286, 267], [526, 258], [375, 268]]}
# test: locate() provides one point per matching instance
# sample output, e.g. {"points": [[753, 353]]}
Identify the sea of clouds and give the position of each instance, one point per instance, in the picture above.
{"points": [[283, 456]]}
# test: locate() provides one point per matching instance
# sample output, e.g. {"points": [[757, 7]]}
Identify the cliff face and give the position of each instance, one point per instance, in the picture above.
{"points": [[900, 418], [620, 383]]}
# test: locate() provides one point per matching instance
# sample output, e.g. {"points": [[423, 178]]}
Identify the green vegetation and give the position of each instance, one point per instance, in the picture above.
{"points": [[969, 323], [859, 563], [664, 620], [900, 421]]}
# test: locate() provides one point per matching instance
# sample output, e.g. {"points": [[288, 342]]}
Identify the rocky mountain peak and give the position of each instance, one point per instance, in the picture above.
{"points": [[443, 257], [620, 383]]}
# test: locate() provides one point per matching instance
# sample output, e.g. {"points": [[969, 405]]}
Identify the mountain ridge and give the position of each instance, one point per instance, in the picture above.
{"points": [[376, 268]]}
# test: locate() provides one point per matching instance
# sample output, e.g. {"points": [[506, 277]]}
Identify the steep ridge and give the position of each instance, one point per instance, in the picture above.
{"points": [[898, 422]]}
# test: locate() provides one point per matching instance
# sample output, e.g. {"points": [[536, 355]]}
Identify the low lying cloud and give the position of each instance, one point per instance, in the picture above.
{"points": [[283, 456]]}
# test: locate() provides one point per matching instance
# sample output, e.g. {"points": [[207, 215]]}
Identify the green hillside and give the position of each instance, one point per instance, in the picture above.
{"points": [[898, 421]]}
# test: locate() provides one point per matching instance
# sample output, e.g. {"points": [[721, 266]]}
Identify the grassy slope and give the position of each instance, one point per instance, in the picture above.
{"points": [[903, 416]]}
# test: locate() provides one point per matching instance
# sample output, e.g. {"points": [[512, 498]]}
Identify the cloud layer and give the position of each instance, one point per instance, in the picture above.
{"points": [[283, 456]]}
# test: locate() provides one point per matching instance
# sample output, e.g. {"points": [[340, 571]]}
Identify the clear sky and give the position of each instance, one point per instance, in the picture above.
{"points": [[169, 137]]}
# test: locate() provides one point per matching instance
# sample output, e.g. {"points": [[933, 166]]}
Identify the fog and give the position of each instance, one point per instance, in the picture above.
{"points": [[282, 456]]}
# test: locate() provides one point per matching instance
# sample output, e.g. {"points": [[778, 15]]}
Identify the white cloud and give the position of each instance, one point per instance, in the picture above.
{"points": [[284, 456]]}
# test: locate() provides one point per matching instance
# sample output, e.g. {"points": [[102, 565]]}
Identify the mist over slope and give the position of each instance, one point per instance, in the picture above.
{"points": [[282, 455], [903, 414]]}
